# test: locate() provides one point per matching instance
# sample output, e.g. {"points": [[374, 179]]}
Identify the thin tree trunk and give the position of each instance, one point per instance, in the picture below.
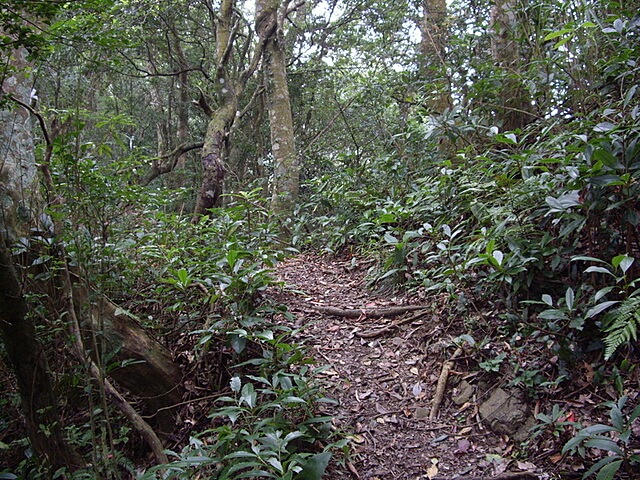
{"points": [[229, 87], [215, 149], [213, 157]]}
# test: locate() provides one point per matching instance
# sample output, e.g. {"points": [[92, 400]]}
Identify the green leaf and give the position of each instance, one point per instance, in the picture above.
{"points": [[389, 238], [387, 218], [313, 467], [603, 443], [275, 463], [556, 34], [553, 314], [183, 276], [617, 419], [587, 259], [238, 343], [634, 415], [604, 127], [570, 298], [622, 261], [595, 269], [608, 472], [598, 309], [293, 399], [292, 436]]}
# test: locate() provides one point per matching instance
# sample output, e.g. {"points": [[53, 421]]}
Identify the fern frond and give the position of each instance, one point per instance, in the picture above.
{"points": [[622, 325]]}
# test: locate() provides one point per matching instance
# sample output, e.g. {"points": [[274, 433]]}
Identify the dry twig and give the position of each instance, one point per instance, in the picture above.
{"points": [[442, 383]]}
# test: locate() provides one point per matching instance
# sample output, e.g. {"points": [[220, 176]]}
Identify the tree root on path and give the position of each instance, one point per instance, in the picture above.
{"points": [[369, 312]]}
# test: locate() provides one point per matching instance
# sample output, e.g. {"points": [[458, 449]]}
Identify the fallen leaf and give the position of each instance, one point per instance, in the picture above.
{"points": [[463, 445], [414, 370], [416, 390], [526, 466], [556, 458], [432, 471]]}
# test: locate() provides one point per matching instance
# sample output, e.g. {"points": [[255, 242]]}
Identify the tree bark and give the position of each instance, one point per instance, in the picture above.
{"points": [[229, 86], [286, 168], [155, 378], [147, 369], [18, 197], [39, 405], [215, 150], [515, 110], [432, 63], [214, 153]]}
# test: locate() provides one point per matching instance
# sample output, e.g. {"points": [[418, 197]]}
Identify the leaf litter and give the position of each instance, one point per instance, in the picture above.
{"points": [[384, 373]]}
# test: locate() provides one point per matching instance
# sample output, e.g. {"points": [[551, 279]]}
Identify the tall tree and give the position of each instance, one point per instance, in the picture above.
{"points": [[432, 61], [269, 24], [229, 84], [18, 197], [515, 109]]}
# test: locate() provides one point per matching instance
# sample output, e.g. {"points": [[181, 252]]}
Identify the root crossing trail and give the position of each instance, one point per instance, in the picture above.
{"points": [[387, 355]]}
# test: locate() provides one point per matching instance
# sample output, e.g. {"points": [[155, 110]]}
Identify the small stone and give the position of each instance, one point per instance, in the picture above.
{"points": [[462, 393], [421, 413]]}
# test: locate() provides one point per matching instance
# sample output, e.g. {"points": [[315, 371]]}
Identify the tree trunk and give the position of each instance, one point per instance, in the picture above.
{"points": [[39, 405], [18, 192], [155, 379], [514, 110], [286, 169], [216, 142], [432, 63]]}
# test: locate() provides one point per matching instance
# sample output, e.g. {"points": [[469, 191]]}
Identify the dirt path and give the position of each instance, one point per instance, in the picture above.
{"points": [[384, 374]]}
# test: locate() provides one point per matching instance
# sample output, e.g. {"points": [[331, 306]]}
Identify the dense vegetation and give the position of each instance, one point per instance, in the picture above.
{"points": [[499, 165]]}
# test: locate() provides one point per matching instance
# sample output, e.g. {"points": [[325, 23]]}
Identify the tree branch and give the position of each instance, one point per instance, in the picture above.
{"points": [[159, 167]]}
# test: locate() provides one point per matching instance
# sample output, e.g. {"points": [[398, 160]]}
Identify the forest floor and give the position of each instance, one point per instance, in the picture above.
{"points": [[384, 372]]}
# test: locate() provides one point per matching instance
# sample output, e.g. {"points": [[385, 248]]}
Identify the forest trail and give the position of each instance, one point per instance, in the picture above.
{"points": [[384, 373]]}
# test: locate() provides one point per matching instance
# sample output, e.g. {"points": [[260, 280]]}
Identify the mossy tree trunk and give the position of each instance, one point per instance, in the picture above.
{"points": [[230, 83], [18, 197], [153, 376], [270, 17], [514, 109], [432, 60]]}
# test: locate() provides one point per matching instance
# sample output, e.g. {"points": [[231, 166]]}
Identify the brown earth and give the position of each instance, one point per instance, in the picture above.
{"points": [[384, 372]]}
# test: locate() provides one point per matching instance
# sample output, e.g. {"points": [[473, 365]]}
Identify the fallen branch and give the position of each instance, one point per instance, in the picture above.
{"points": [[442, 383], [369, 312], [395, 324], [78, 349], [502, 476]]}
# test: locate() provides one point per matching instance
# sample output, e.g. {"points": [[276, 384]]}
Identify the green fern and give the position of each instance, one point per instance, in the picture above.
{"points": [[622, 325]]}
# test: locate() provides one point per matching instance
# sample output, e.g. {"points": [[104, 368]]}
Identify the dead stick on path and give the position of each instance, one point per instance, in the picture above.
{"points": [[502, 476], [442, 383], [369, 312], [388, 328]]}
